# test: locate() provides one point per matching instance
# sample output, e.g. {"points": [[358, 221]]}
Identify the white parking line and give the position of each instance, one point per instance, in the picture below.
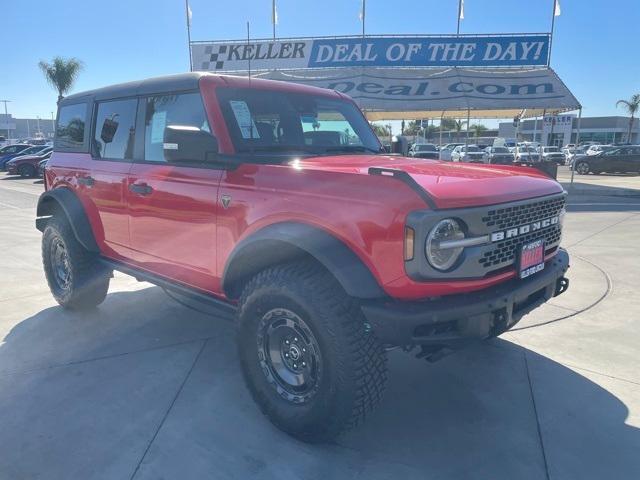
{"points": [[610, 204]]}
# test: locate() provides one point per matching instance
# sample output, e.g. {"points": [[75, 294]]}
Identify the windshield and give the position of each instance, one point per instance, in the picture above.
{"points": [[261, 121], [472, 148], [500, 150], [426, 148], [550, 149], [31, 150]]}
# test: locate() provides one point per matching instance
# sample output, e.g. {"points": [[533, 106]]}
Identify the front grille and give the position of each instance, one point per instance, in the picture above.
{"points": [[505, 251], [503, 218]]}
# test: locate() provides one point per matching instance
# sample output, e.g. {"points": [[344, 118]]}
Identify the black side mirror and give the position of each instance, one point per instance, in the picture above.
{"points": [[109, 128], [183, 143]]}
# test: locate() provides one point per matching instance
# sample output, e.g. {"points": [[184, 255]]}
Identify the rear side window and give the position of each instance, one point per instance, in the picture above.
{"points": [[71, 126], [184, 109], [114, 132]]}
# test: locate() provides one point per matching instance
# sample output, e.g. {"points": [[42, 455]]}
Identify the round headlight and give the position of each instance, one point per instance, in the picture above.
{"points": [[439, 254]]}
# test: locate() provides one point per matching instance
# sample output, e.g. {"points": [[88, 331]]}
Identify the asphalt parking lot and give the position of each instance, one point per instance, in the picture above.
{"points": [[144, 387]]}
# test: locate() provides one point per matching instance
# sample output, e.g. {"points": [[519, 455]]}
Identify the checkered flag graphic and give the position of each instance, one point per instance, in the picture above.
{"points": [[216, 59]]}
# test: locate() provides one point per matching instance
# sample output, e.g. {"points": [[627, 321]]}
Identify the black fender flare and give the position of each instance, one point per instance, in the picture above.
{"points": [[287, 241], [66, 201]]}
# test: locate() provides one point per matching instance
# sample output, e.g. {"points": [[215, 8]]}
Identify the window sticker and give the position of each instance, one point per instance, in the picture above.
{"points": [[158, 123], [243, 117]]}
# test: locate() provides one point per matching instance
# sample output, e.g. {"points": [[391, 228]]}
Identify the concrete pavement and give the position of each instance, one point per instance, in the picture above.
{"points": [[146, 388]]}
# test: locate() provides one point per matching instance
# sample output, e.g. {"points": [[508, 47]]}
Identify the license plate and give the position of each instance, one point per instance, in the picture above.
{"points": [[531, 258]]}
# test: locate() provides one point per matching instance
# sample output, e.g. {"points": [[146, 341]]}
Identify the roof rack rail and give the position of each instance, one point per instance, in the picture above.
{"points": [[408, 180]]}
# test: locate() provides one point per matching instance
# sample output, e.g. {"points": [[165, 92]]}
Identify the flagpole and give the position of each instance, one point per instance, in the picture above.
{"points": [[459, 13], [186, 6], [273, 17], [553, 26]]}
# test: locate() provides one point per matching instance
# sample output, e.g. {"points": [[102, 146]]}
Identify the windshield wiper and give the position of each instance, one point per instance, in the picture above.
{"points": [[274, 148], [352, 148]]}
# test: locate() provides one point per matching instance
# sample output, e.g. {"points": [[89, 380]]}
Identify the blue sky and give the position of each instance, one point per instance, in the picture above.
{"points": [[595, 50]]}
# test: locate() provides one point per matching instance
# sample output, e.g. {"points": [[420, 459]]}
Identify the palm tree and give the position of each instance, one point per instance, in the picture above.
{"points": [[478, 128], [61, 73], [631, 106], [458, 125]]}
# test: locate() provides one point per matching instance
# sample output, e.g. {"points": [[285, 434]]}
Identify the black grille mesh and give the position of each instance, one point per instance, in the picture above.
{"points": [[502, 218], [505, 251]]}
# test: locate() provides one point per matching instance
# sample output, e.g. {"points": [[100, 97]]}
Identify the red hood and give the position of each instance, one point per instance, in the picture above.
{"points": [[452, 185]]}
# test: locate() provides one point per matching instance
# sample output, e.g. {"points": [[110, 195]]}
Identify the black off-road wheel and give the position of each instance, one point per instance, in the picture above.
{"points": [[76, 279], [307, 356]]}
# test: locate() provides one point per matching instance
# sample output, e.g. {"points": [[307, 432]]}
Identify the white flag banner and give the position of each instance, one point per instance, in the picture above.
{"points": [[435, 89], [461, 9], [274, 13], [556, 10], [189, 14]]}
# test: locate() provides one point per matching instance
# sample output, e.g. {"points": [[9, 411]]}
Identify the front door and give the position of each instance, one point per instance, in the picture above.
{"points": [[173, 207]]}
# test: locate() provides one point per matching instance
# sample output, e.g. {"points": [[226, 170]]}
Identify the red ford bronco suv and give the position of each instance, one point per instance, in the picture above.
{"points": [[275, 198]]}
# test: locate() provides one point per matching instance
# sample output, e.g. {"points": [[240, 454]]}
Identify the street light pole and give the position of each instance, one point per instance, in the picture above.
{"points": [[6, 117]]}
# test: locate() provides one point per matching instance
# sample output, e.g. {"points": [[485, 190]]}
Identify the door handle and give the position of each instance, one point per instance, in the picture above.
{"points": [[88, 181], [140, 188]]}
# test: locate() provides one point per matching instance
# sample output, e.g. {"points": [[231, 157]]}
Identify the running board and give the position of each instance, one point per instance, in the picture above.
{"points": [[181, 289]]}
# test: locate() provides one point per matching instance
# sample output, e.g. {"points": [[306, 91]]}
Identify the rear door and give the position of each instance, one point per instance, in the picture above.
{"points": [[112, 151], [173, 206]]}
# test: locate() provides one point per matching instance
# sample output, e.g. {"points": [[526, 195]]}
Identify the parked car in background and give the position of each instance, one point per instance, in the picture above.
{"points": [[30, 150], [526, 153], [614, 159], [498, 155], [27, 165], [424, 150], [552, 154], [595, 149], [10, 151], [468, 153], [445, 151]]}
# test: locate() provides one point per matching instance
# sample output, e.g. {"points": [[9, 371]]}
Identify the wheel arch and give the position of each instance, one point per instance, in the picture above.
{"points": [[290, 241], [63, 201]]}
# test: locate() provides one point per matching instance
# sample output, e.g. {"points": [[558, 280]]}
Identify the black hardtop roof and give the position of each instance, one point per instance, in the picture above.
{"points": [[166, 83], [176, 83]]}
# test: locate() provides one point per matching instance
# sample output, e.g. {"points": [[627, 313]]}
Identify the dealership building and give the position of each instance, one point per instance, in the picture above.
{"points": [[563, 129], [18, 128]]}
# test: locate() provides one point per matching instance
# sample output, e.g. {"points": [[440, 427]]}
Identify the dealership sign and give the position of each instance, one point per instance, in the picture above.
{"points": [[414, 51], [439, 88]]}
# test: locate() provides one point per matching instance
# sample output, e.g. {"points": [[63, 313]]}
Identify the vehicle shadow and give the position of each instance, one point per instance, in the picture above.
{"points": [[144, 379]]}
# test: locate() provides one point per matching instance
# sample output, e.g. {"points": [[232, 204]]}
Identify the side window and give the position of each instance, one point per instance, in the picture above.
{"points": [[70, 128], [114, 131], [184, 109]]}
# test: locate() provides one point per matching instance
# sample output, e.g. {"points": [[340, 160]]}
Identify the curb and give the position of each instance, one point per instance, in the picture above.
{"points": [[600, 191]]}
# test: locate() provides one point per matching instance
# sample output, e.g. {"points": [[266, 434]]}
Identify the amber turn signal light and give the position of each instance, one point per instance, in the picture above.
{"points": [[409, 240]]}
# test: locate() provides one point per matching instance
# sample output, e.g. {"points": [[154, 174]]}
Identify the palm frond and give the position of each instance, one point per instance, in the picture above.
{"points": [[61, 73]]}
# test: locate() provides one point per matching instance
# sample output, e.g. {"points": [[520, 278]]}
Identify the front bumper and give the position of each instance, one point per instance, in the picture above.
{"points": [[456, 320]]}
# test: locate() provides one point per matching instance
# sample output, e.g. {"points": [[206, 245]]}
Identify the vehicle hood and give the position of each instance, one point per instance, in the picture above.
{"points": [[26, 158], [451, 185]]}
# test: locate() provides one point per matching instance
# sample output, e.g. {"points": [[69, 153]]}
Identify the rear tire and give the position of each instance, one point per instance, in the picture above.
{"points": [[26, 171], [76, 279], [308, 359]]}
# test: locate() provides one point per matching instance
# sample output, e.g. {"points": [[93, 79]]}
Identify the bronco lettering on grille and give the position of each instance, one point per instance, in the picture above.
{"points": [[524, 229]]}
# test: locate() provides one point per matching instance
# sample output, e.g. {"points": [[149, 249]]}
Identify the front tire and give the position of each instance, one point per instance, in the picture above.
{"points": [[76, 279], [307, 356], [583, 168]]}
